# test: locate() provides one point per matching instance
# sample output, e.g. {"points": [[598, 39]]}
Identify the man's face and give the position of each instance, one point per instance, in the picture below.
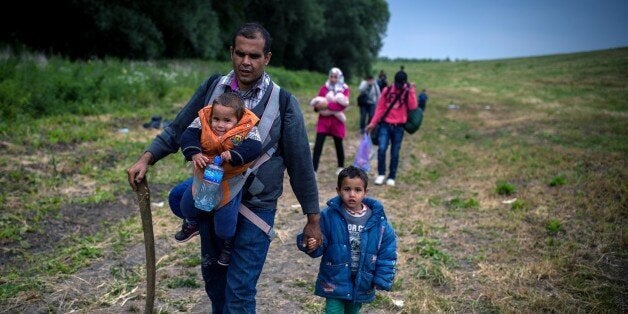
{"points": [[248, 60]]}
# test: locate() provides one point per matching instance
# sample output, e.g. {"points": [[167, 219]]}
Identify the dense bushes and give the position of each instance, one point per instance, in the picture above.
{"points": [[310, 35]]}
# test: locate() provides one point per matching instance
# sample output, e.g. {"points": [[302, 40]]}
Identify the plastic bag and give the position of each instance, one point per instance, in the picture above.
{"points": [[362, 156]]}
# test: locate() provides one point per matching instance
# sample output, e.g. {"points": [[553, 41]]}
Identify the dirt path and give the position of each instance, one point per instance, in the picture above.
{"points": [[286, 282]]}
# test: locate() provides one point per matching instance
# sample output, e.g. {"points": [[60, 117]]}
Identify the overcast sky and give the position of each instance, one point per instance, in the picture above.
{"points": [[484, 29]]}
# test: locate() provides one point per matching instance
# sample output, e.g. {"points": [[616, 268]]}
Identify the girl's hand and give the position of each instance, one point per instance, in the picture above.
{"points": [[200, 161], [226, 156]]}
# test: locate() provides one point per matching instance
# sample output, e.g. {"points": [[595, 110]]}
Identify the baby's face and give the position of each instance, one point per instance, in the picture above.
{"points": [[223, 119]]}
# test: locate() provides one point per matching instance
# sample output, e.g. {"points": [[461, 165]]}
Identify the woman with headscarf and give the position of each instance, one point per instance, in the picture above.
{"points": [[331, 120], [400, 97]]}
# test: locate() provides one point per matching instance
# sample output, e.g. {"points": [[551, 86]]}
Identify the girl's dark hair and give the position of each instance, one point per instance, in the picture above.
{"points": [[401, 78], [251, 31], [231, 100], [352, 172]]}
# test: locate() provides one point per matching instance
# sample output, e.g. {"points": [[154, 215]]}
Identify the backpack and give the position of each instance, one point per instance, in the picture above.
{"points": [[363, 98]]}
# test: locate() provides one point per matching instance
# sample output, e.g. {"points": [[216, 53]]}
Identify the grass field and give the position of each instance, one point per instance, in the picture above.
{"points": [[511, 198]]}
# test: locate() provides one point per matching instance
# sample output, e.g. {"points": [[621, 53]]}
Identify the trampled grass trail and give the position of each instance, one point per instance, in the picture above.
{"points": [[511, 197]]}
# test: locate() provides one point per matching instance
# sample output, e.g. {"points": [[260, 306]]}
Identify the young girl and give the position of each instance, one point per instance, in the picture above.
{"points": [[359, 249], [331, 118], [227, 129]]}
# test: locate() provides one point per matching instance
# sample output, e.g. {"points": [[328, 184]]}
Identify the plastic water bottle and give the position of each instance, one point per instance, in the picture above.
{"points": [[208, 191]]}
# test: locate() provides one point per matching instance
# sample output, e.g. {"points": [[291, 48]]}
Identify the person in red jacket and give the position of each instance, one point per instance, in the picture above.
{"points": [[391, 127]]}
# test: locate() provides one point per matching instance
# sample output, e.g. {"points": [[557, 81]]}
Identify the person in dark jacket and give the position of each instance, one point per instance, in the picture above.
{"points": [[382, 80], [233, 289], [423, 99], [369, 95], [359, 250]]}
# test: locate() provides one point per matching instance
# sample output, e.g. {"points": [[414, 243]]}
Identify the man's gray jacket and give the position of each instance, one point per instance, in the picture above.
{"points": [[264, 186]]}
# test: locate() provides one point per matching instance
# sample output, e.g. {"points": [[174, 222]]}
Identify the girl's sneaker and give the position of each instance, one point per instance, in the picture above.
{"points": [[380, 180], [188, 230], [225, 255]]}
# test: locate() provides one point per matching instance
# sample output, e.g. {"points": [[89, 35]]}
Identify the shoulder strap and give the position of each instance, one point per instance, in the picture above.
{"points": [[284, 98], [272, 109], [257, 221], [211, 89], [391, 105], [270, 112]]}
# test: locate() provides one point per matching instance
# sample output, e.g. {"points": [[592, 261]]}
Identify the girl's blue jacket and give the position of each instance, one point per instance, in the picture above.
{"points": [[378, 254]]}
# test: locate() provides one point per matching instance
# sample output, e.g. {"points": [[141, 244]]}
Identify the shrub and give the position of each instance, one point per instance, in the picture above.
{"points": [[557, 181], [505, 188]]}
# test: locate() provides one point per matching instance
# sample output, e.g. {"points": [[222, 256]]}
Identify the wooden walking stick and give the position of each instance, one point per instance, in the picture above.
{"points": [[143, 197]]}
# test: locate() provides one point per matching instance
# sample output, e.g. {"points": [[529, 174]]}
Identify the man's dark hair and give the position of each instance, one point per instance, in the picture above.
{"points": [[252, 31], [352, 172]]}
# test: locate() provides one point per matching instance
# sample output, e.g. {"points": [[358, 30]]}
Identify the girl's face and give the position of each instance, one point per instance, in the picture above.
{"points": [[352, 192], [223, 119], [333, 79]]}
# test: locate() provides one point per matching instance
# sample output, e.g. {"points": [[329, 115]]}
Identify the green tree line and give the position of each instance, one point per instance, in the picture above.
{"points": [[307, 34]]}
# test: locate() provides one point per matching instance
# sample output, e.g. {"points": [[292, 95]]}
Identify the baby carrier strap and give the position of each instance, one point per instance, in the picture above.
{"points": [[272, 105]]}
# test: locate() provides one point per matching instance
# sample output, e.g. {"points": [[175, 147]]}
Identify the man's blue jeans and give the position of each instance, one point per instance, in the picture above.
{"points": [[366, 114], [393, 135], [231, 291]]}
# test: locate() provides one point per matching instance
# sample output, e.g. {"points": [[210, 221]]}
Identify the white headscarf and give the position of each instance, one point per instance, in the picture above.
{"points": [[340, 86]]}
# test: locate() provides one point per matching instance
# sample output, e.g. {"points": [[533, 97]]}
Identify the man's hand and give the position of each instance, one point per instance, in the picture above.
{"points": [[312, 232], [137, 172]]}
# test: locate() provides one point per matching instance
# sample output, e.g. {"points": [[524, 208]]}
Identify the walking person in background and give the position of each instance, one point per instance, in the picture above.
{"points": [[369, 94], [382, 80], [359, 250], [284, 141], [336, 92], [423, 98], [394, 104]]}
